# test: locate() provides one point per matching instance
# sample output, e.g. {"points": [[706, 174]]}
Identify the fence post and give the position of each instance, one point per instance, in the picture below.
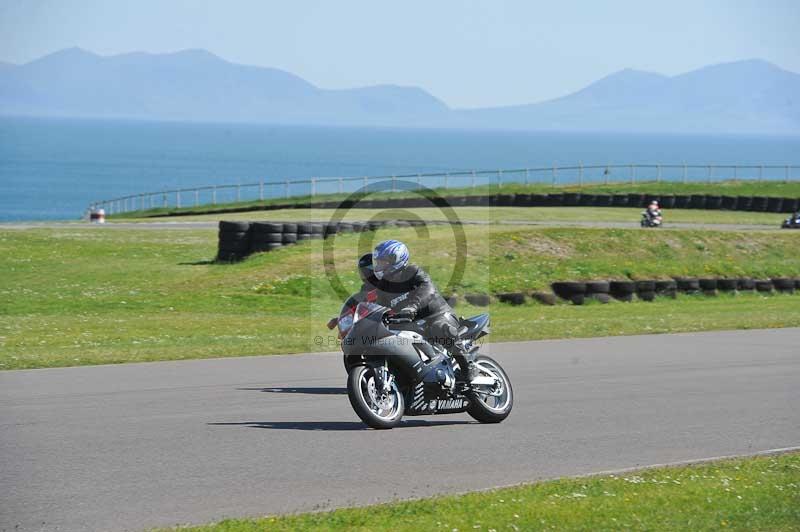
{"points": [[178, 199], [554, 174], [527, 175], [499, 179], [286, 188], [214, 195], [633, 175], [238, 192], [580, 175], [394, 183], [341, 186], [261, 189], [473, 179], [313, 186], [736, 172], [366, 183], [446, 179], [606, 174], [419, 182], [196, 198]]}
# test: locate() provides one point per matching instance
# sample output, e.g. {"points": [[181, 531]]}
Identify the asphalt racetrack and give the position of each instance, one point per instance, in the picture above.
{"points": [[135, 446]]}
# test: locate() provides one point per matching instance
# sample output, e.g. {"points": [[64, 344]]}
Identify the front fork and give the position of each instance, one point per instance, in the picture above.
{"points": [[383, 378]]}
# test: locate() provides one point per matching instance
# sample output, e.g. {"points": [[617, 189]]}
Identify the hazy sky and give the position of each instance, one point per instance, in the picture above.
{"points": [[467, 53]]}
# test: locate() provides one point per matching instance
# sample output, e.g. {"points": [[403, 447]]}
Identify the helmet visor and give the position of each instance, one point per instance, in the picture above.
{"points": [[383, 266]]}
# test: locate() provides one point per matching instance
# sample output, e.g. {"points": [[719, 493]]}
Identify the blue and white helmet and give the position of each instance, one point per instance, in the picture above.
{"points": [[389, 256]]}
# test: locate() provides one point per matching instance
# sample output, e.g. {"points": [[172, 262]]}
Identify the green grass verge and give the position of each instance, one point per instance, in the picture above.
{"points": [[497, 215], [760, 493], [722, 188], [102, 295]]}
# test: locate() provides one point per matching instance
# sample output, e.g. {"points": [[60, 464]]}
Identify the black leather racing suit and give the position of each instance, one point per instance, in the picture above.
{"points": [[412, 287]]}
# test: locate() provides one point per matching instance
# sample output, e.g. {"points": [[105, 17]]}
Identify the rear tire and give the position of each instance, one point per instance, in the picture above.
{"points": [[481, 411], [358, 382]]}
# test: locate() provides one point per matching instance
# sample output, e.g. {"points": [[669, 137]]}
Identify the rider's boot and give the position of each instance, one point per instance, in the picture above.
{"points": [[467, 370]]}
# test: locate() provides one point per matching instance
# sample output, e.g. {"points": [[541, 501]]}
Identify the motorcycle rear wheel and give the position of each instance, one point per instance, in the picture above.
{"points": [[479, 407], [377, 411]]}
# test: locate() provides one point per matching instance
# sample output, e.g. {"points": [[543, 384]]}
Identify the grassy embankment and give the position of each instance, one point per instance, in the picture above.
{"points": [[722, 188], [760, 493], [93, 295]]}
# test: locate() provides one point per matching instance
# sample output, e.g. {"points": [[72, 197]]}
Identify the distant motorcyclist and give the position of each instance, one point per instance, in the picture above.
{"points": [[652, 215], [410, 293], [793, 220]]}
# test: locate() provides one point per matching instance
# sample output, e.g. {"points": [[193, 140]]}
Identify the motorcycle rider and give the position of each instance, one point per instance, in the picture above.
{"points": [[408, 290], [653, 212]]}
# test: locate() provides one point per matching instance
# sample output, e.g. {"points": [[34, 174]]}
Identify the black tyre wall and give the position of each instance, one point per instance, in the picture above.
{"points": [[505, 200], [568, 289], [744, 203], [697, 201], [603, 200], [713, 202], [791, 205], [667, 202], [266, 227], [636, 200], [764, 285], [597, 287], [538, 200], [759, 204], [479, 300], [265, 238], [688, 285], [774, 205], [682, 202], [571, 199], [745, 283], [522, 200], [234, 226], [619, 200]]}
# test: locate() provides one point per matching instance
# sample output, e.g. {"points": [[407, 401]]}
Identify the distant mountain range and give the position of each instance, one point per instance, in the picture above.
{"points": [[751, 96]]}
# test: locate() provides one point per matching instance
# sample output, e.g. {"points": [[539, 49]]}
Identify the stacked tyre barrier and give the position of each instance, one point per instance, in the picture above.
{"points": [[577, 199], [579, 292], [561, 199], [237, 240]]}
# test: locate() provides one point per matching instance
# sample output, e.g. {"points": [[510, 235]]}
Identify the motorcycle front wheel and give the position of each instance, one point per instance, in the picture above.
{"points": [[491, 404], [376, 408]]}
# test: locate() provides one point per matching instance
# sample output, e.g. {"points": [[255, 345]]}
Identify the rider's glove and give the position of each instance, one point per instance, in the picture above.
{"points": [[406, 313]]}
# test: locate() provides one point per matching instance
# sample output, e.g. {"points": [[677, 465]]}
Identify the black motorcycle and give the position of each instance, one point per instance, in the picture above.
{"points": [[393, 371], [793, 222], [650, 220]]}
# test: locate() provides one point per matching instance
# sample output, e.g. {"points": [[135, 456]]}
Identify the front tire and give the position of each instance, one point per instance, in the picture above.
{"points": [[491, 405], [374, 409]]}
